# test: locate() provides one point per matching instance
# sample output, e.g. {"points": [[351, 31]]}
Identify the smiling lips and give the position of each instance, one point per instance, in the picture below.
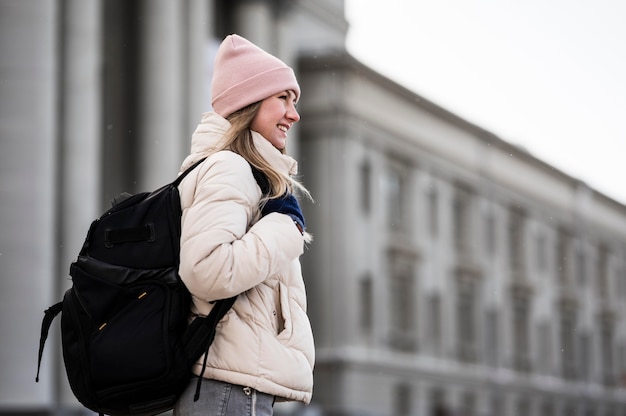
{"points": [[283, 128]]}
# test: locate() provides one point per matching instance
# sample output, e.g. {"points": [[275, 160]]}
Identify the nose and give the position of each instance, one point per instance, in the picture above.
{"points": [[292, 113]]}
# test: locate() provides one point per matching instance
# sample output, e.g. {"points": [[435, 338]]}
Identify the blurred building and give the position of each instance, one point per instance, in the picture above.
{"points": [[452, 273]]}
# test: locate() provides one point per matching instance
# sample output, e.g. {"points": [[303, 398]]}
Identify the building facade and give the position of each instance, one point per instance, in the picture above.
{"points": [[461, 275], [452, 273]]}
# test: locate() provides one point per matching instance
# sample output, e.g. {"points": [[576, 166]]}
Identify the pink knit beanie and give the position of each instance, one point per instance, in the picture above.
{"points": [[244, 74]]}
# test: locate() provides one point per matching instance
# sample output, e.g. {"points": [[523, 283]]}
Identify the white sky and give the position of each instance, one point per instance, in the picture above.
{"points": [[548, 75]]}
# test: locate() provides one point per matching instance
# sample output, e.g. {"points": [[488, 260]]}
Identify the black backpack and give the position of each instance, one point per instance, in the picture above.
{"points": [[127, 346]]}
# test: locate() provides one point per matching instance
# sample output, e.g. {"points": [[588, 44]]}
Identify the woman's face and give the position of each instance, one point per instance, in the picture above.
{"points": [[275, 117]]}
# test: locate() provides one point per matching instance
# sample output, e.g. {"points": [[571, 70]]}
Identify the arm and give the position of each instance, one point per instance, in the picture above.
{"points": [[220, 256]]}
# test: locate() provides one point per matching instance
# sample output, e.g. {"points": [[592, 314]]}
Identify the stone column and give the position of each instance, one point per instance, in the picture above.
{"points": [[28, 127], [160, 97], [254, 21], [196, 66], [79, 145]]}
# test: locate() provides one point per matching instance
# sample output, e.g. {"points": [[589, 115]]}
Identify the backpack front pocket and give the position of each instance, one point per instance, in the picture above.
{"points": [[118, 346]]}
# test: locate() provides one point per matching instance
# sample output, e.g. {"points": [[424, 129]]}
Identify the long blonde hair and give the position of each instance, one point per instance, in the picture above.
{"points": [[238, 139]]}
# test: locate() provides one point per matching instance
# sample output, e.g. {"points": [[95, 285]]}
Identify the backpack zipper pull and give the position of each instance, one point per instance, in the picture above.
{"points": [[141, 296]]}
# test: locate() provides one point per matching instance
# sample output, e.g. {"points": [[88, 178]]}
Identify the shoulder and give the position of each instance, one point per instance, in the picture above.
{"points": [[228, 172], [223, 175], [225, 166], [228, 159]]}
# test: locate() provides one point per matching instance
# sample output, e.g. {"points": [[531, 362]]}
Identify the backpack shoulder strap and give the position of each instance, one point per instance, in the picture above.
{"points": [[205, 335], [180, 177], [49, 316], [261, 179]]}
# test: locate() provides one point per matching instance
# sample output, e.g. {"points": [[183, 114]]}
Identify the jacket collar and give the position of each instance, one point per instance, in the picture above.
{"points": [[211, 130]]}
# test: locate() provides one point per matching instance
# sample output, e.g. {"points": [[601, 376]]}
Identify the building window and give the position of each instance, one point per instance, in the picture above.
{"points": [[466, 320], [547, 408], [403, 302], [469, 404], [570, 409], [521, 311], [541, 251], [544, 337], [581, 265], [622, 365], [438, 406], [584, 356], [396, 191], [516, 240], [490, 233], [606, 345], [497, 405], [492, 345], [568, 325], [365, 176], [433, 210], [602, 271], [523, 407], [434, 320], [402, 400], [366, 303], [562, 256], [395, 199], [462, 221], [622, 283]]}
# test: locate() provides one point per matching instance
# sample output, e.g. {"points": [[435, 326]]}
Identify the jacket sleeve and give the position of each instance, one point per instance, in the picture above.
{"points": [[220, 255]]}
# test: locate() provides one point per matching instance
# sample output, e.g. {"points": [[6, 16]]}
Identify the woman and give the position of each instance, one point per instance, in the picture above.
{"points": [[237, 241]]}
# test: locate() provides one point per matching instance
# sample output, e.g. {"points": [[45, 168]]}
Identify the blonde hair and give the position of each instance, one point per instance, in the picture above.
{"points": [[238, 139]]}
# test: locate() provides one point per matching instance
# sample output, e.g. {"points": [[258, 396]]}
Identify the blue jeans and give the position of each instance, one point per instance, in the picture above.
{"points": [[223, 399]]}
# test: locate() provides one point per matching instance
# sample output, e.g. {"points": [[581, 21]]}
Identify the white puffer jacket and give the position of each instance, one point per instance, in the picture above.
{"points": [[265, 341]]}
